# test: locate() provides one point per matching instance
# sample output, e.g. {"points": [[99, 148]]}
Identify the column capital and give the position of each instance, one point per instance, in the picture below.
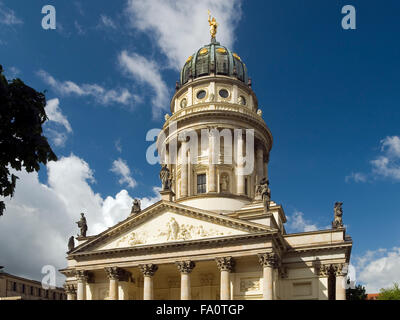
{"points": [[269, 259], [225, 263], [116, 273], [69, 288], [185, 267], [148, 269], [340, 269], [82, 275], [337, 269]]}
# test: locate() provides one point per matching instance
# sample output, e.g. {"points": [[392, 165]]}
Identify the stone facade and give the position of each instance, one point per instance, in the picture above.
{"points": [[211, 236]]}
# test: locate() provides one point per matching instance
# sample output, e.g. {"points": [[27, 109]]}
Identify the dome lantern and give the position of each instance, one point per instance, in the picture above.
{"points": [[213, 59]]}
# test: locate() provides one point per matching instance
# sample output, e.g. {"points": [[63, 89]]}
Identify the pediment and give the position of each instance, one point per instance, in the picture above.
{"points": [[168, 222], [168, 227]]}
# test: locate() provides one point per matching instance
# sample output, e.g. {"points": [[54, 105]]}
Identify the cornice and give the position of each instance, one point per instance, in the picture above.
{"points": [[177, 245], [315, 232], [215, 195], [217, 79], [224, 111], [320, 247]]}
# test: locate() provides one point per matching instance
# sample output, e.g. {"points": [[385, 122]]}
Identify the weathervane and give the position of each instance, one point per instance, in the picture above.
{"points": [[213, 25]]}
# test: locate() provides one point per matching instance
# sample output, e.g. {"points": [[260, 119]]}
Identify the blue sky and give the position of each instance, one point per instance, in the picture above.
{"points": [[330, 97]]}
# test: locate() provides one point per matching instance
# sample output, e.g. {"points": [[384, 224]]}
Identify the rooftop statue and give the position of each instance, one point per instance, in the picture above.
{"points": [[71, 243], [165, 177], [213, 25], [264, 192], [338, 211], [136, 206], [82, 225]]}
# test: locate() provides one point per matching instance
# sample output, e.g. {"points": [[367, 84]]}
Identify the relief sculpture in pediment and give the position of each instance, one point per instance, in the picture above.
{"points": [[172, 231]]}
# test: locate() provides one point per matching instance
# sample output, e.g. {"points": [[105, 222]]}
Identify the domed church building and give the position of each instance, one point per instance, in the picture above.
{"points": [[216, 234]]}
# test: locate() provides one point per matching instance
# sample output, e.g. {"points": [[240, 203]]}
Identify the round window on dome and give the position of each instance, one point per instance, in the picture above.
{"points": [[242, 100], [201, 94], [224, 93]]}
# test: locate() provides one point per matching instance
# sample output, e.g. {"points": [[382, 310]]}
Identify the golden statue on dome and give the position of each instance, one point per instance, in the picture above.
{"points": [[213, 25]]}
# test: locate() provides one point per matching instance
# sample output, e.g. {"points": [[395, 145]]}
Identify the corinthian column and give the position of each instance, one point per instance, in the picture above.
{"points": [[212, 160], [70, 291], [340, 270], [259, 165], [240, 189], [185, 268], [268, 261], [184, 169], [115, 275], [225, 265], [148, 271], [82, 277]]}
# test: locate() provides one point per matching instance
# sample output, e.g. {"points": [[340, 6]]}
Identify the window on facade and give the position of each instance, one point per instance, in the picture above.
{"points": [[201, 183], [23, 288], [31, 291], [54, 296], [246, 187], [14, 287], [39, 292]]}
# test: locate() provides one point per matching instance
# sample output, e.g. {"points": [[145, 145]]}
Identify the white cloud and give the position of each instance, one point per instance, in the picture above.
{"points": [[79, 28], [118, 145], [391, 145], [13, 72], [55, 114], [378, 269], [57, 138], [8, 17], [147, 71], [121, 169], [56, 119], [40, 218], [386, 165], [356, 177], [107, 22], [181, 27], [101, 95], [297, 223]]}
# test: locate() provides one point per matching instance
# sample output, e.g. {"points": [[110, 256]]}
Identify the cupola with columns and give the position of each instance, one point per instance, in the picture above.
{"points": [[214, 92]]}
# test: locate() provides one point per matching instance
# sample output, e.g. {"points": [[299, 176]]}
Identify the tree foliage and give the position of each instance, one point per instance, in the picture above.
{"points": [[392, 293], [358, 293], [22, 144]]}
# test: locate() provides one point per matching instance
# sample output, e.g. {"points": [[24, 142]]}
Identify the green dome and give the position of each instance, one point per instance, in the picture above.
{"points": [[214, 58]]}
